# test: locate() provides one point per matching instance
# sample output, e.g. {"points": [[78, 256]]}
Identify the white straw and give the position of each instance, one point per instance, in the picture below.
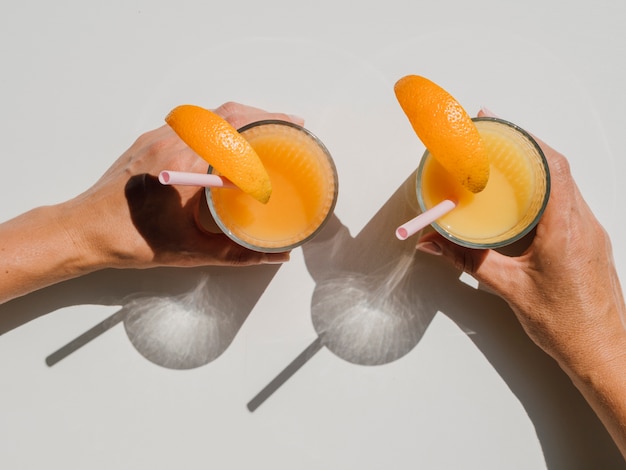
{"points": [[194, 179], [425, 218]]}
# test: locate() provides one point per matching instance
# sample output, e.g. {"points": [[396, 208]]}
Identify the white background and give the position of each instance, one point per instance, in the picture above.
{"points": [[423, 371]]}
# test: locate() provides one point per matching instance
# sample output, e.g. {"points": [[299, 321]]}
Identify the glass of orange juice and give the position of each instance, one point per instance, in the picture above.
{"points": [[304, 190], [512, 202]]}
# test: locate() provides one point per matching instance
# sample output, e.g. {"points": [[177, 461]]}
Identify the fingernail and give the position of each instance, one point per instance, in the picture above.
{"points": [[487, 112], [296, 119], [429, 247], [275, 258]]}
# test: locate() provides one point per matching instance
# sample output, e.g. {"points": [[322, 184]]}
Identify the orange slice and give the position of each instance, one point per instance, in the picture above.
{"points": [[446, 130], [219, 143]]}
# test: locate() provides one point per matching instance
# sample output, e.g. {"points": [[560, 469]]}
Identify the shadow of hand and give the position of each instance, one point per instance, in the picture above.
{"points": [[173, 233]]}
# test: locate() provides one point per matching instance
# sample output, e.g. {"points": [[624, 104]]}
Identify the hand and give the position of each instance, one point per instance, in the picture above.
{"points": [[564, 288], [129, 220], [565, 292]]}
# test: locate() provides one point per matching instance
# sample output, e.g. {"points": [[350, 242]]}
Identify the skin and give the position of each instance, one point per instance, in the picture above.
{"points": [[153, 225], [565, 292], [563, 289]]}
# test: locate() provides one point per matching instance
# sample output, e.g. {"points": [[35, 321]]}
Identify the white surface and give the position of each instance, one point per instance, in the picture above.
{"points": [[461, 388]]}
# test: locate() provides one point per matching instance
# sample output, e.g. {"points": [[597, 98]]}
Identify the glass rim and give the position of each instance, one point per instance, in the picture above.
{"points": [[328, 215], [531, 225]]}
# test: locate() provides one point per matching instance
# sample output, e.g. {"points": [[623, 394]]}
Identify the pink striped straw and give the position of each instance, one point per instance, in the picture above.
{"points": [[194, 179], [425, 218]]}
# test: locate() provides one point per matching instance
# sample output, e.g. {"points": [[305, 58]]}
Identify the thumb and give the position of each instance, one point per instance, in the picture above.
{"points": [[492, 269]]}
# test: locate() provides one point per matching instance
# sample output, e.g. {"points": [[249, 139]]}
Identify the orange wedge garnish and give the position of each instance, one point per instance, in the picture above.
{"points": [[219, 143], [446, 130]]}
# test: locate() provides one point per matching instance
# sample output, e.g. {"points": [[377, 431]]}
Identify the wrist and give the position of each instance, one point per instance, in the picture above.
{"points": [[605, 346], [43, 247], [83, 251], [600, 380], [101, 233]]}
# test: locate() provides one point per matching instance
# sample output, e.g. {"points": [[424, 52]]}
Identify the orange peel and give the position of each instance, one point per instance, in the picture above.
{"points": [[216, 141], [446, 130]]}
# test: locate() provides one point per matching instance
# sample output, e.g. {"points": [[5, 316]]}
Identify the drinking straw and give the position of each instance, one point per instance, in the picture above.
{"points": [[194, 179], [425, 218]]}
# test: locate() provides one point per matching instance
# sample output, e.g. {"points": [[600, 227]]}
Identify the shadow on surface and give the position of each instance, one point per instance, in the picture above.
{"points": [[176, 318], [375, 297], [373, 301]]}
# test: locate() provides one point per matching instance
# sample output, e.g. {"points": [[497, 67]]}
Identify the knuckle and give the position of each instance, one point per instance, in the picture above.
{"points": [[560, 166], [236, 255], [228, 109]]}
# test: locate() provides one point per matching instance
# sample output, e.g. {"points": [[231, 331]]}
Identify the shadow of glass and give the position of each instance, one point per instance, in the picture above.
{"points": [[191, 329], [176, 318], [365, 305], [375, 297]]}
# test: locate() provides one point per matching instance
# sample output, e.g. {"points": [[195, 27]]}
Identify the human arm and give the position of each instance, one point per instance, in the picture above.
{"points": [[125, 220], [565, 292]]}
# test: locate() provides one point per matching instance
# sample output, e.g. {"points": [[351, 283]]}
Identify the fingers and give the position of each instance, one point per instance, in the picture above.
{"points": [[496, 271], [562, 181], [220, 250], [238, 115], [484, 112], [244, 257], [461, 258]]}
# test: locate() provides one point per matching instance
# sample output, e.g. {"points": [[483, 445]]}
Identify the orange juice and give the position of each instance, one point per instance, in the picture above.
{"points": [[511, 203], [304, 190]]}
